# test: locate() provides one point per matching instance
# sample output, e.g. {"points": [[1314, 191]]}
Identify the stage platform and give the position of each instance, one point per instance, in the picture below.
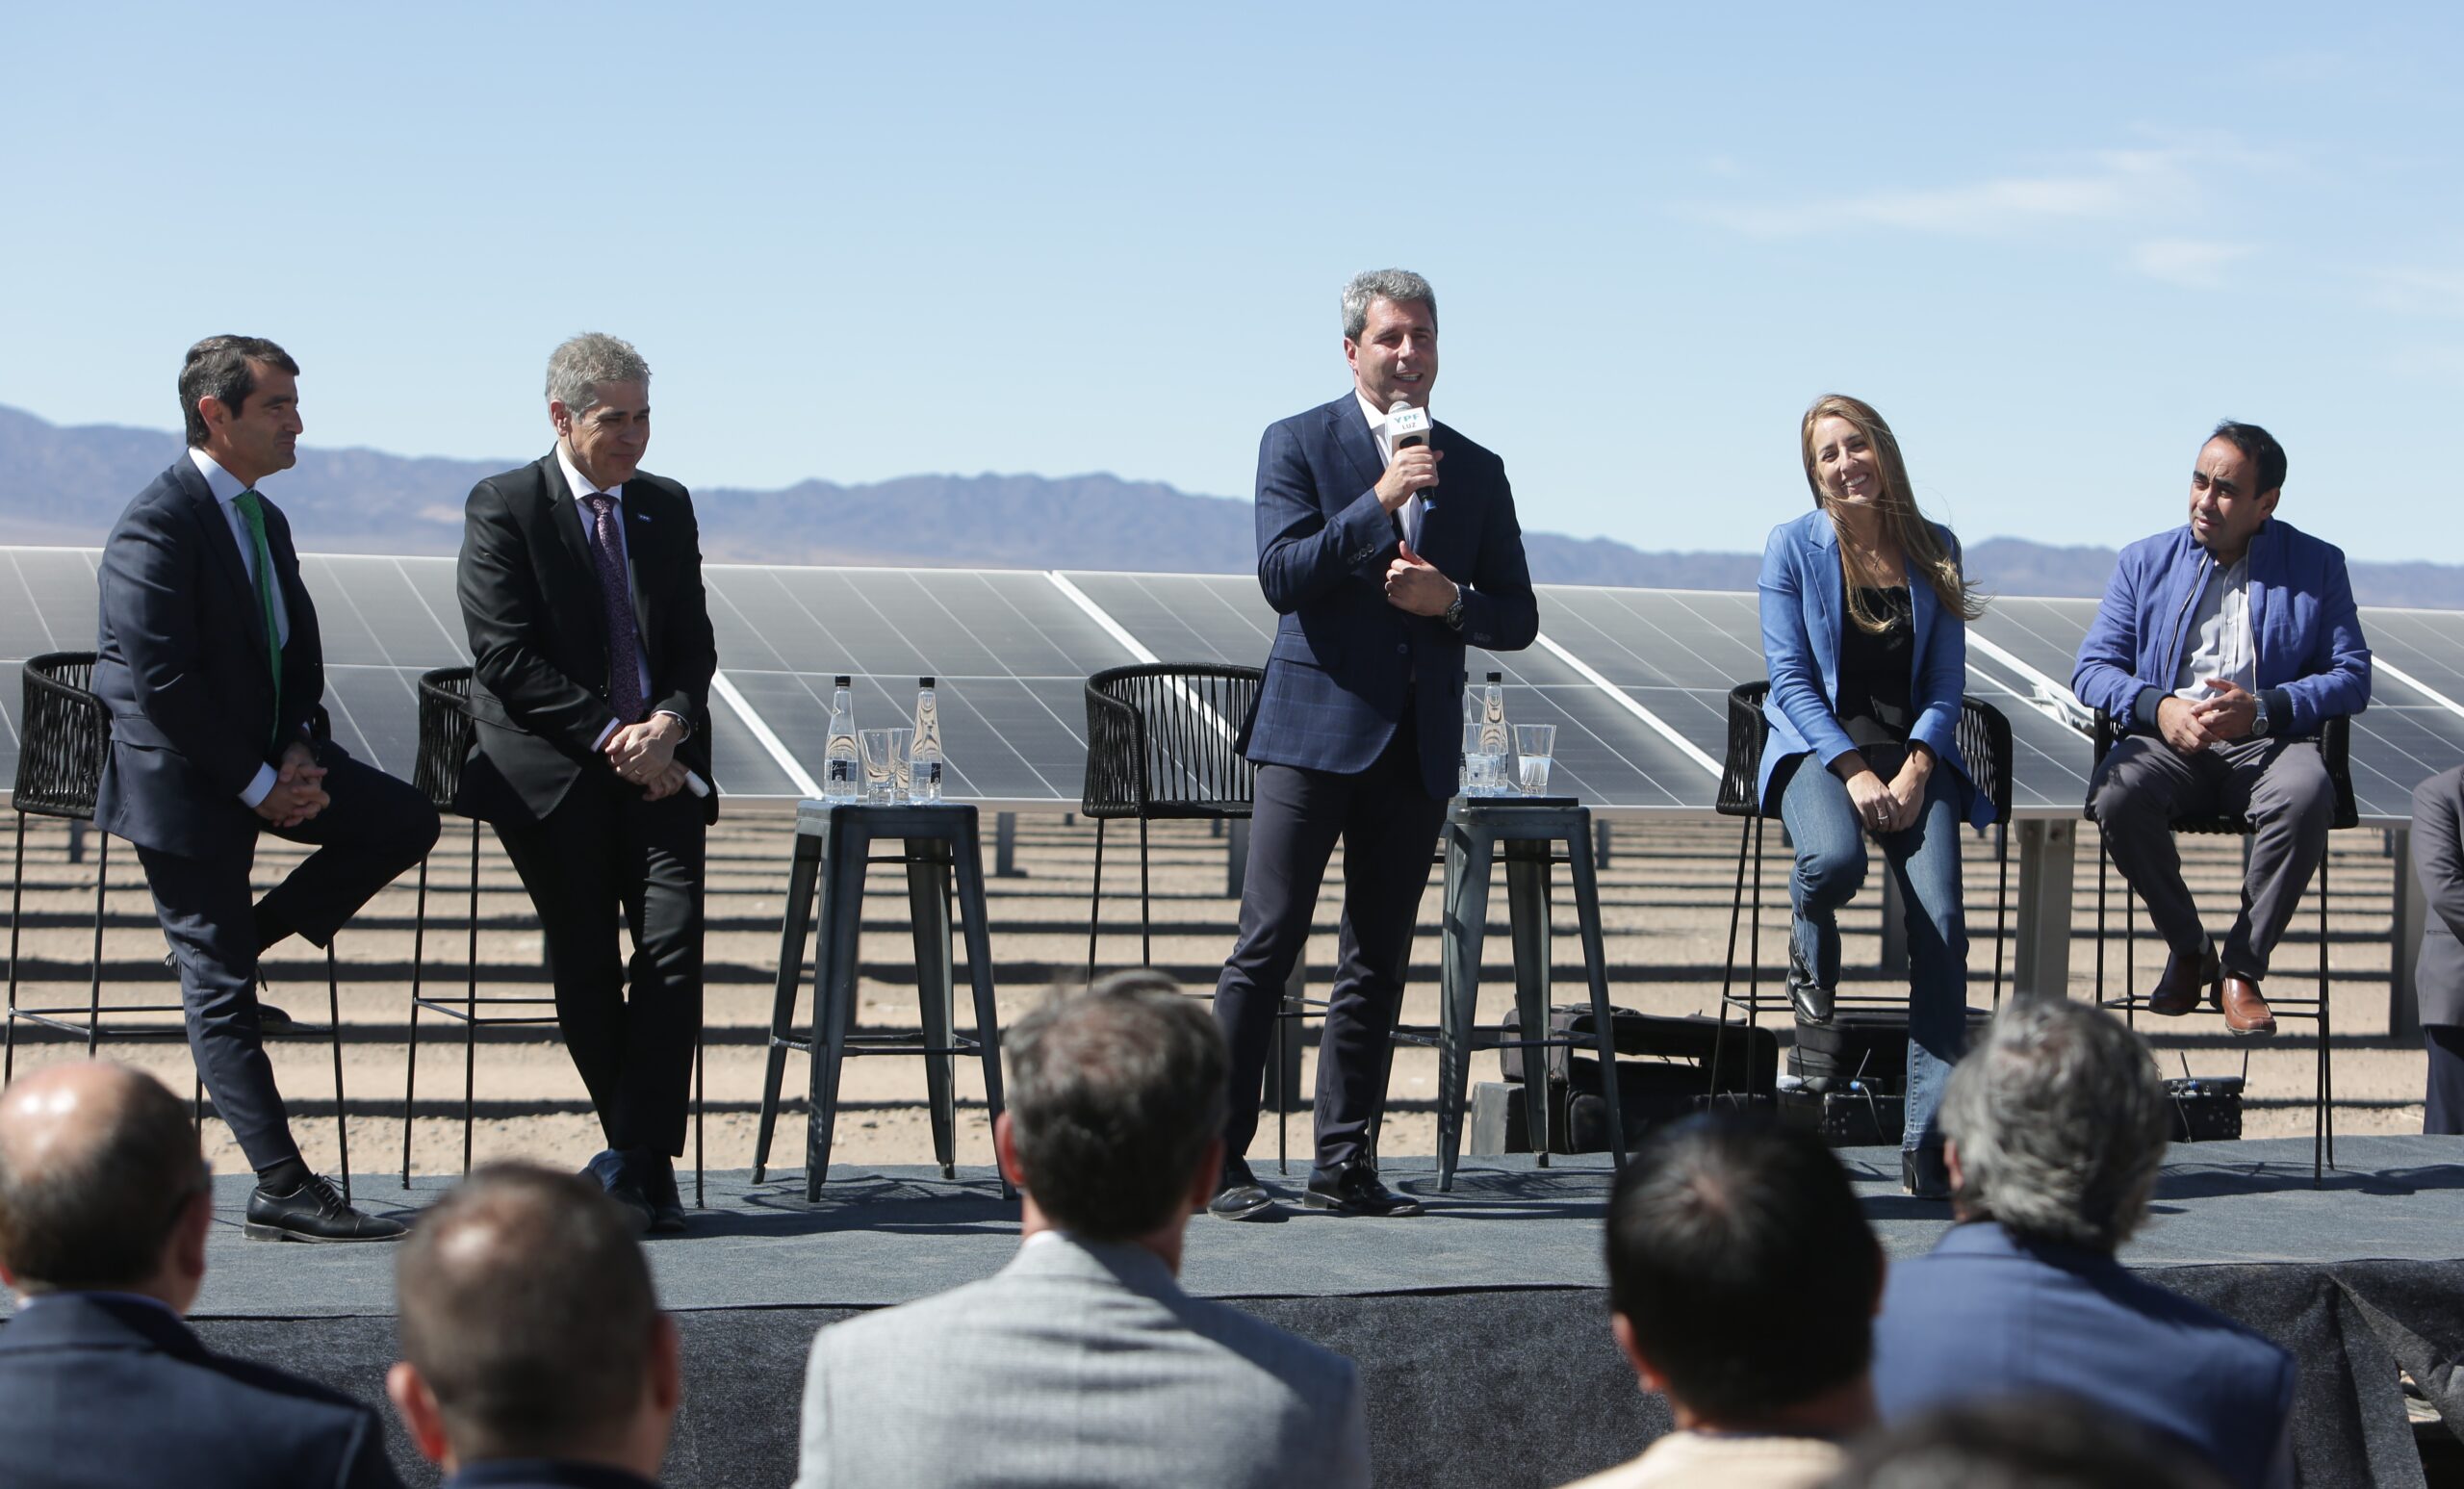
{"points": [[1481, 1327]]}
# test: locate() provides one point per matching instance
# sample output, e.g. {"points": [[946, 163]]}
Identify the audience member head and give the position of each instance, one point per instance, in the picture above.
{"points": [[102, 1187], [239, 401], [599, 399], [2056, 1125], [2048, 1442], [1860, 478], [1116, 1100], [2235, 484], [1744, 1276], [530, 1329]]}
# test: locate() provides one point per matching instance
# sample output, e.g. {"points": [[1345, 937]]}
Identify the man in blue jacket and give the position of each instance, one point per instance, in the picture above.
{"points": [[2227, 642], [1382, 570]]}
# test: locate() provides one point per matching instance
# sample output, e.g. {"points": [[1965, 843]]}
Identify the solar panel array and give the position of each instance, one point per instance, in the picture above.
{"points": [[1636, 681]]}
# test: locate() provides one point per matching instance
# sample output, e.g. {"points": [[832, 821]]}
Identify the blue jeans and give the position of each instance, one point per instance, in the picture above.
{"points": [[1830, 869]]}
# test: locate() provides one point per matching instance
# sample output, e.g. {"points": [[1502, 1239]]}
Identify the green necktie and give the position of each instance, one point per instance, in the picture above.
{"points": [[252, 511]]}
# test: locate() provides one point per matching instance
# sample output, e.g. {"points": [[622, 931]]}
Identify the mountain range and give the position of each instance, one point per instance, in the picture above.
{"points": [[68, 484]]}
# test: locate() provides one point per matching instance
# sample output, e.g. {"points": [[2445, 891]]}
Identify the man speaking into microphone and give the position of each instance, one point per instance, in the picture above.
{"points": [[1382, 572]]}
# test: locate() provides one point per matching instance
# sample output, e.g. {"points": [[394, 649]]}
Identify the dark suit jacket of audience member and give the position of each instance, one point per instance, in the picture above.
{"points": [[2438, 859], [531, 601], [182, 666], [1344, 661], [101, 1390], [543, 1473], [1987, 1315]]}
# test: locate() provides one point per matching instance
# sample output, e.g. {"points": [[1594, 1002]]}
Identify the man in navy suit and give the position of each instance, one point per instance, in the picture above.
{"points": [[212, 667], [1382, 572], [535, 1355], [105, 1203], [2054, 1130]]}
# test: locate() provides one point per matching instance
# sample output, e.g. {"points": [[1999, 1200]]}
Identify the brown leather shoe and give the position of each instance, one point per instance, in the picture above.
{"points": [[2245, 1012], [2185, 985]]}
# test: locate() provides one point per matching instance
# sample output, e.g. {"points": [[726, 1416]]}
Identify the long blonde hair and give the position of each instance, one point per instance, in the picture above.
{"points": [[1921, 549]]}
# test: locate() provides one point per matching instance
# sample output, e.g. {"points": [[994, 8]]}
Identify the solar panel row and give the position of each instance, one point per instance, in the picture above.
{"points": [[1636, 680]]}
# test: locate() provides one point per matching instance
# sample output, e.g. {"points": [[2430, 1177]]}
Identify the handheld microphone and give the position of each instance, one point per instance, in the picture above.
{"points": [[1405, 427]]}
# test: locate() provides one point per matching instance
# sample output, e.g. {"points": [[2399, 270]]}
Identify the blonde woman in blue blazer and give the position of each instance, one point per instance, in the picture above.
{"points": [[1865, 630]]}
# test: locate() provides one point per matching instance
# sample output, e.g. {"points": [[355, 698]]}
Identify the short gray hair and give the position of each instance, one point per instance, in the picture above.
{"points": [[2061, 1124], [1400, 285], [578, 368], [1115, 1092]]}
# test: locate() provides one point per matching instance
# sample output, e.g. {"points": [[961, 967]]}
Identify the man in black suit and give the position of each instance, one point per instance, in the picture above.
{"points": [[522, 1275], [212, 668], [1382, 572], [105, 1203], [591, 661], [2438, 971]]}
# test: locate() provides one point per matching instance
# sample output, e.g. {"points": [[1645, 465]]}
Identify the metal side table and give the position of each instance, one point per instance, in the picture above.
{"points": [[1524, 832], [833, 847]]}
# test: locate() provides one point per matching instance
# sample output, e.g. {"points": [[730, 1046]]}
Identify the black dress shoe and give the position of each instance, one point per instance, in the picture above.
{"points": [[315, 1211], [1924, 1172], [1814, 1002], [657, 1173], [612, 1173], [1240, 1196], [1356, 1191]]}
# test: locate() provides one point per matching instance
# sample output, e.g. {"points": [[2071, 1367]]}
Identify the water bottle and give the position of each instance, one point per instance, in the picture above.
{"points": [[924, 754], [842, 774], [1494, 736]]}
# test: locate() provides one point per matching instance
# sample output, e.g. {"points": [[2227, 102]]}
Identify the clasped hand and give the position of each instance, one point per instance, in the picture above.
{"points": [[1891, 808], [299, 788], [2225, 714], [645, 755], [1414, 584]]}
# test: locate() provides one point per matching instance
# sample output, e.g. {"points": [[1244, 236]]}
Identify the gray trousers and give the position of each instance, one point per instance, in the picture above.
{"points": [[2146, 786]]}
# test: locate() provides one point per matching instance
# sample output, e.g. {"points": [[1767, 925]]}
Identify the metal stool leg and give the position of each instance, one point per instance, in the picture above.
{"points": [[94, 978], [969, 874], [2002, 905], [1728, 973], [928, 911], [17, 919], [1527, 898], [471, 1003], [1095, 901], [411, 1045], [1467, 915], [1595, 958], [341, 1106], [833, 992], [1145, 909], [793, 925]]}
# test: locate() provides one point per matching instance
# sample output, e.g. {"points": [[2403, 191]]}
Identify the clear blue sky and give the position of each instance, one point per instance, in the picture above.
{"points": [[862, 242]]}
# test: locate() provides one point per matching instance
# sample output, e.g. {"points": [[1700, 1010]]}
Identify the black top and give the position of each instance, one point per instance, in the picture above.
{"points": [[1875, 702]]}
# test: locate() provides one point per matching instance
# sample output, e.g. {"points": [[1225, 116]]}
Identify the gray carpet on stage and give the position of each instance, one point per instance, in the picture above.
{"points": [[888, 1235]]}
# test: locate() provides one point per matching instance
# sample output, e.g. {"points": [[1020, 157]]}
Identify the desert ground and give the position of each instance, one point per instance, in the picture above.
{"points": [[1665, 895]]}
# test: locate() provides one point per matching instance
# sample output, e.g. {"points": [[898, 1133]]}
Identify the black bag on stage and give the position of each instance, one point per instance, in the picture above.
{"points": [[1664, 1070], [1862, 1043]]}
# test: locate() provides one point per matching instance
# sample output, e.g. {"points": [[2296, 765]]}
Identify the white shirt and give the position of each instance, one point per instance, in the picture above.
{"points": [[583, 491], [226, 488], [1411, 512]]}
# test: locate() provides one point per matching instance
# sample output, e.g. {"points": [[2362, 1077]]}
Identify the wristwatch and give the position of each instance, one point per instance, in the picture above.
{"points": [[1453, 616], [2259, 719]]}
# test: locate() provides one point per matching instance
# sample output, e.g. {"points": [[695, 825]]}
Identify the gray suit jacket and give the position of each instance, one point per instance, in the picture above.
{"points": [[1078, 1364], [2438, 859]]}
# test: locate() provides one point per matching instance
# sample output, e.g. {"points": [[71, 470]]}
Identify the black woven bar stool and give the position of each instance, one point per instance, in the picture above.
{"points": [[445, 743], [1159, 745], [2335, 750], [66, 733]]}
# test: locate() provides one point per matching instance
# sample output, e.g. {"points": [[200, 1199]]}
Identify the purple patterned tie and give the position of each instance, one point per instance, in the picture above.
{"points": [[616, 596]]}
